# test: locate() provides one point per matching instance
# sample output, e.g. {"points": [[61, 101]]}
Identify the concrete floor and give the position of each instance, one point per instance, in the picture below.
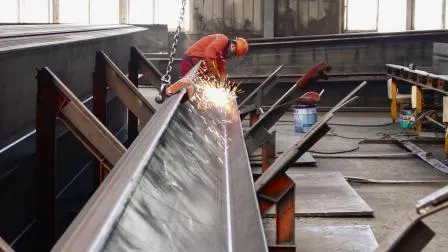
{"points": [[389, 202]]}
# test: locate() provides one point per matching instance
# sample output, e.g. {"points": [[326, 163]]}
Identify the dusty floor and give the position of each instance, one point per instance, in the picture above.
{"points": [[388, 201]]}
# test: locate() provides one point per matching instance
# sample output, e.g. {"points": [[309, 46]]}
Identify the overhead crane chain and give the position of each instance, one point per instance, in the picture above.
{"points": [[166, 78]]}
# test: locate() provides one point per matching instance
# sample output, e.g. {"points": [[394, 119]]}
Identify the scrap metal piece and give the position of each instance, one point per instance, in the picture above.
{"points": [[433, 199], [184, 185], [412, 234]]}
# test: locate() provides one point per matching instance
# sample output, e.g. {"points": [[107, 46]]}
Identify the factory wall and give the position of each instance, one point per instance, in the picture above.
{"points": [[307, 17], [232, 17]]}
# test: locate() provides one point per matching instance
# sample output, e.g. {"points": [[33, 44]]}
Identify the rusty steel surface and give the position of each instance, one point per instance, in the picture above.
{"points": [[184, 185]]}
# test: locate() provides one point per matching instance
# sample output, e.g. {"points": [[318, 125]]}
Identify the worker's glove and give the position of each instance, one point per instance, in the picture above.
{"points": [[319, 71], [213, 68], [178, 85]]}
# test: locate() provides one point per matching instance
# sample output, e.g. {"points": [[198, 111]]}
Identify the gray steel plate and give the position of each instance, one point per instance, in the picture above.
{"points": [[321, 194], [359, 238]]}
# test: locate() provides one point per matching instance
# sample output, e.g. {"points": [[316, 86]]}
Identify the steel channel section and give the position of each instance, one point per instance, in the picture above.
{"points": [[184, 185]]}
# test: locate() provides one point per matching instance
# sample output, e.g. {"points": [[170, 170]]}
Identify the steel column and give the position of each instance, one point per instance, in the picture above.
{"points": [[268, 153], [149, 71], [47, 107], [133, 69], [99, 100]]}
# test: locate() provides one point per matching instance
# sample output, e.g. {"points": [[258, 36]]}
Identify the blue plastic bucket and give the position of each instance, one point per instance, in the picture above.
{"points": [[305, 116]]}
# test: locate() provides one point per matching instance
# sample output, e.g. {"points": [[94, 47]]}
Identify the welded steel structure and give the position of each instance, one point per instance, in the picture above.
{"points": [[184, 185]]}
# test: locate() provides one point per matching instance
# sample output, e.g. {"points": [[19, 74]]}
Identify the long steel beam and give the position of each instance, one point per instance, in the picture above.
{"points": [[184, 185]]}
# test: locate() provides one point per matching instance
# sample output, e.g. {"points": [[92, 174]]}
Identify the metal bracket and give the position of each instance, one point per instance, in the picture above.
{"points": [[259, 92], [108, 74], [56, 100], [280, 192]]}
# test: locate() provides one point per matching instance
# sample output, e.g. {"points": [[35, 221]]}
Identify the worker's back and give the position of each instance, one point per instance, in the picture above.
{"points": [[209, 46]]}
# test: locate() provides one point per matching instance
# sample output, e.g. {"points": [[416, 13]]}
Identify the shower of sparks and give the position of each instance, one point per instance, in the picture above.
{"points": [[211, 92]]}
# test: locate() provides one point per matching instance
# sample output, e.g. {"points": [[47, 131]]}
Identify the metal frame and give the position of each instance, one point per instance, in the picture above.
{"points": [[55, 100], [107, 74], [274, 187], [105, 205], [254, 110], [91, 228], [258, 134], [139, 64]]}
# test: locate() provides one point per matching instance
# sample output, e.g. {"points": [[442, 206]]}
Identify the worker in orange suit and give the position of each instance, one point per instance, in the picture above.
{"points": [[213, 50]]}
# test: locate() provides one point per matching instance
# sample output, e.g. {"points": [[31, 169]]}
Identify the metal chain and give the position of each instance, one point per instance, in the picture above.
{"points": [[166, 78]]}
